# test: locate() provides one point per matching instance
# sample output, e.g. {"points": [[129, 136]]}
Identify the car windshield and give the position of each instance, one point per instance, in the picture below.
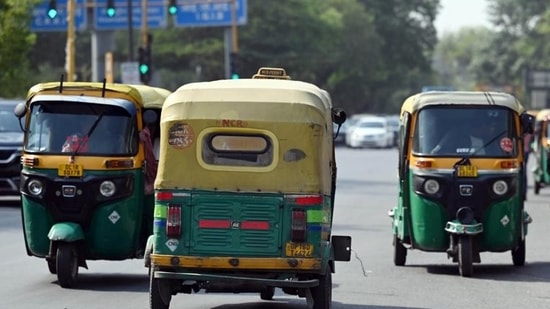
{"points": [[473, 132], [105, 129], [371, 124], [8, 120]]}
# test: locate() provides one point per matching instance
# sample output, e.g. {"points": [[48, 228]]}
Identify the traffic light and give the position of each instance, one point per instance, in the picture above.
{"points": [[111, 10], [233, 65], [145, 64], [52, 9], [172, 7]]}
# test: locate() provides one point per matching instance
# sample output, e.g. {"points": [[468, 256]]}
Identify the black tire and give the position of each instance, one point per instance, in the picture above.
{"points": [[52, 267], [322, 294], [159, 295], [399, 252], [465, 260], [537, 187], [268, 293], [67, 265], [518, 254]]}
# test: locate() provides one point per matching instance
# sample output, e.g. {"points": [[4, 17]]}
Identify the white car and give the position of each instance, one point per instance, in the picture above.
{"points": [[370, 131]]}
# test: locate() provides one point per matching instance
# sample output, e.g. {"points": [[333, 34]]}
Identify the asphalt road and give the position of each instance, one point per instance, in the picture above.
{"points": [[367, 189]]}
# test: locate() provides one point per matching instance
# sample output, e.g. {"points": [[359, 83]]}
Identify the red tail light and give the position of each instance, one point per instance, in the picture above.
{"points": [[305, 200], [299, 225], [165, 196], [173, 220]]}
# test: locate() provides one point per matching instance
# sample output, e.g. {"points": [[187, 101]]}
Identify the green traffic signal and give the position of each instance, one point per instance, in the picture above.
{"points": [[52, 9], [172, 7], [143, 68], [111, 11], [234, 76]]}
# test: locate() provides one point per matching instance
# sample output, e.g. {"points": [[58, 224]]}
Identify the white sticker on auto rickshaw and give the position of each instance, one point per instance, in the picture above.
{"points": [[181, 135]]}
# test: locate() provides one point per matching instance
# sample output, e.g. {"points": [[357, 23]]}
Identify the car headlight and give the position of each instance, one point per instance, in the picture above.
{"points": [[431, 186], [500, 187], [35, 187], [107, 188]]}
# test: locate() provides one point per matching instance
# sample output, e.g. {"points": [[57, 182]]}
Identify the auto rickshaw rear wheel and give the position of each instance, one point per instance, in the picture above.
{"points": [[52, 266], [518, 254], [159, 293], [268, 293], [322, 294], [67, 264], [537, 187], [465, 260], [399, 252]]}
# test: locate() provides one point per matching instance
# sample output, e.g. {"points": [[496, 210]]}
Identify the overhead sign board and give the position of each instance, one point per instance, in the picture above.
{"points": [[157, 14], [192, 13], [42, 22]]}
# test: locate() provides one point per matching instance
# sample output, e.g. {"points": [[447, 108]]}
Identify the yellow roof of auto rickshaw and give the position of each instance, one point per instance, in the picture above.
{"points": [[543, 115], [430, 98], [259, 91], [147, 96]]}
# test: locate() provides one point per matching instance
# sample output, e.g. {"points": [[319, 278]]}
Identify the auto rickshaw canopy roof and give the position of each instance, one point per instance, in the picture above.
{"points": [[297, 115], [421, 100], [543, 115], [146, 96]]}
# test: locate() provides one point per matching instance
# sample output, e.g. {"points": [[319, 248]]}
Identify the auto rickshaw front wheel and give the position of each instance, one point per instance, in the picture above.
{"points": [[399, 252], [465, 260], [67, 264], [159, 292]]}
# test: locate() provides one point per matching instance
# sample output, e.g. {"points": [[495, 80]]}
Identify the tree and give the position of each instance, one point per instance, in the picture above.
{"points": [[17, 40]]}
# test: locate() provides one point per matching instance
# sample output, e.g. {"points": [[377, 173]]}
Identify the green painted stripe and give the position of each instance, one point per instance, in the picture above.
{"points": [[160, 211]]}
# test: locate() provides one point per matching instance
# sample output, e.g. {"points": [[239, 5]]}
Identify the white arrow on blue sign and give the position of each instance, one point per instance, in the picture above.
{"points": [[42, 22]]}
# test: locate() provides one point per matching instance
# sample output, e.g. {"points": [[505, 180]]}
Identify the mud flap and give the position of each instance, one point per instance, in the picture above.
{"points": [[342, 248]]}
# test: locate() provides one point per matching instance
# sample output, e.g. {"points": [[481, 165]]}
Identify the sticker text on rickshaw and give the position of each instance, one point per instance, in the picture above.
{"points": [[70, 170], [181, 135], [232, 123], [299, 249]]}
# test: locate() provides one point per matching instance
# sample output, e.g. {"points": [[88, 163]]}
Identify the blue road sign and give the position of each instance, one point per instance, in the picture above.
{"points": [[214, 13], [157, 13], [41, 22]]}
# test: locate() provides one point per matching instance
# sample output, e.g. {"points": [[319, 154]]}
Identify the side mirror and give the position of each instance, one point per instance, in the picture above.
{"points": [[527, 123], [20, 110], [338, 116]]}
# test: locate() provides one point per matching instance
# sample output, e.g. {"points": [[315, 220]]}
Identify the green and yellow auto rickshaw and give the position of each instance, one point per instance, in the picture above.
{"points": [[541, 150], [84, 167], [461, 177], [245, 191]]}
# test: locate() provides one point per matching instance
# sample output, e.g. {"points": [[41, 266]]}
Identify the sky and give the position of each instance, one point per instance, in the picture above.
{"points": [[455, 14]]}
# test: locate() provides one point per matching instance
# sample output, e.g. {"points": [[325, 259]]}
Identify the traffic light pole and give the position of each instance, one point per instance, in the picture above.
{"points": [[144, 31], [70, 50]]}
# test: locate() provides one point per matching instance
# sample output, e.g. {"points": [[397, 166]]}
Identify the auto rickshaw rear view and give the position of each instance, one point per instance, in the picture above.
{"points": [[245, 191], [461, 177], [85, 171]]}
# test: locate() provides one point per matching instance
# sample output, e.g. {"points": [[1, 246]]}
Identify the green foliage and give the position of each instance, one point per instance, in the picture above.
{"points": [[16, 41]]}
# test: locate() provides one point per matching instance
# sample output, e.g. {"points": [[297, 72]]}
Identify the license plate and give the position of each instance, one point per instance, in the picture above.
{"points": [[70, 170], [467, 171], [299, 249]]}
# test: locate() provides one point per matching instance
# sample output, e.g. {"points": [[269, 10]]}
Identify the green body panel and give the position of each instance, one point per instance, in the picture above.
{"points": [[66, 231], [428, 221], [542, 175], [234, 241], [502, 226], [117, 229], [37, 222]]}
